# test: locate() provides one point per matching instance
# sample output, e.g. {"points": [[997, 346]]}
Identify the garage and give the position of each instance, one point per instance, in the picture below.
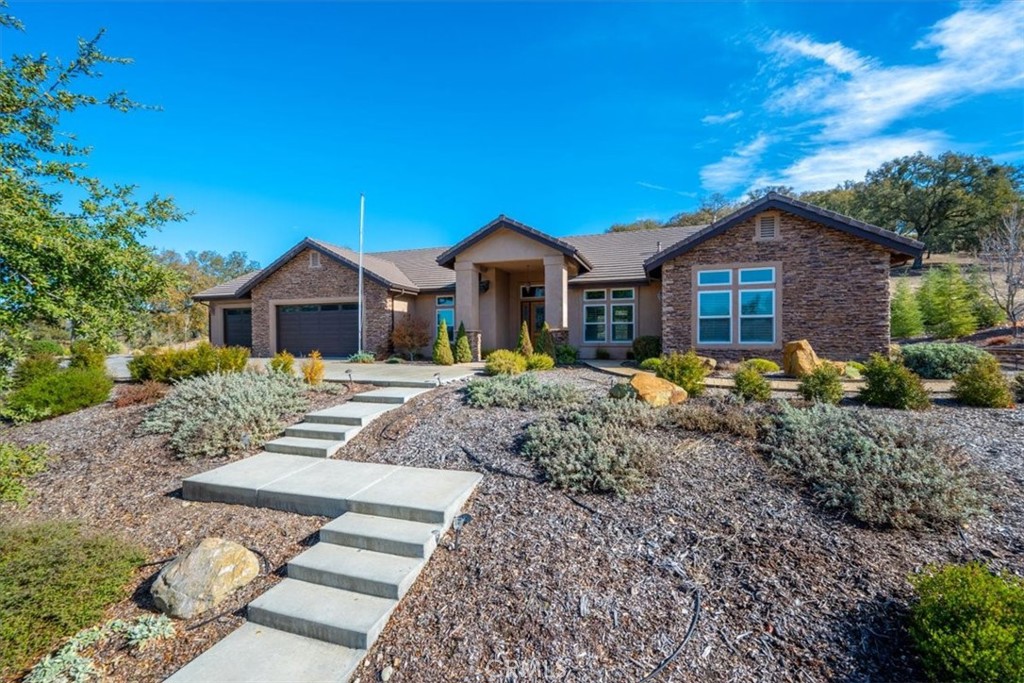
{"points": [[238, 327], [331, 329]]}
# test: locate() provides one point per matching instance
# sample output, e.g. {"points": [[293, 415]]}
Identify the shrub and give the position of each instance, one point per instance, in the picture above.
{"points": [[890, 384], [136, 394], [762, 365], [566, 354], [539, 361], [313, 368], [504, 362], [905, 317], [231, 358], [545, 341], [365, 358], [750, 385], [283, 362], [822, 385], [983, 386], [44, 347], [945, 301], [987, 313], [16, 464], [409, 336], [717, 415], [938, 360], [524, 392], [651, 365], [463, 354], [1018, 387], [602, 354], [55, 579], [88, 355], [32, 368], [58, 394], [646, 347], [878, 471], [394, 360], [175, 364], [442, 354], [968, 624], [599, 449], [523, 345], [686, 370], [218, 414]]}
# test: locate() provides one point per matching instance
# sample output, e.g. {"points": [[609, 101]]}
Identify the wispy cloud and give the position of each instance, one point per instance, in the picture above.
{"points": [[662, 188], [715, 119], [736, 169]]}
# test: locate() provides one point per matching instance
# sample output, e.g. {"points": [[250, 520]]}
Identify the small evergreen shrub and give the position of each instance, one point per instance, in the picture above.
{"points": [[762, 365], [61, 393], [175, 364], [686, 370], [872, 468], [442, 354], [717, 415], [905, 318], [463, 354], [750, 385], [621, 390], [504, 362], [44, 347], [968, 624], [219, 414], [18, 463], [1018, 387], [854, 369], [140, 394], [983, 386], [822, 385], [646, 347], [394, 360], [945, 302], [365, 358], [566, 354], [283, 362], [890, 384], [651, 365], [941, 360], [545, 342], [539, 361], [88, 355], [523, 392], [524, 346], [32, 368], [602, 354], [313, 369]]}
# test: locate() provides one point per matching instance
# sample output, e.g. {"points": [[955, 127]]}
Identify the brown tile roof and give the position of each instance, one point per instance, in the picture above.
{"points": [[227, 290], [421, 266], [620, 256]]}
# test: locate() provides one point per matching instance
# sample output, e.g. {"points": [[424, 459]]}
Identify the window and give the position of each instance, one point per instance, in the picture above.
{"points": [[531, 292], [314, 259], [595, 323], [757, 316], [607, 317], [593, 295], [621, 294], [714, 317], [714, 277], [767, 226], [760, 276], [737, 306], [622, 322], [445, 312], [445, 301]]}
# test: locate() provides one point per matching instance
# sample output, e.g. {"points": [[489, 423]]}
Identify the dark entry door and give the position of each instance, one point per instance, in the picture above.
{"points": [[238, 327], [533, 313], [331, 329]]}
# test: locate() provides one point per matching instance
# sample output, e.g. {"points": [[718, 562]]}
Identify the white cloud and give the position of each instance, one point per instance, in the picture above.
{"points": [[737, 168], [714, 119]]}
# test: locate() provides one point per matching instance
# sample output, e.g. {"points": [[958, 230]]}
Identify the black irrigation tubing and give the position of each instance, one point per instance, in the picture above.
{"points": [[689, 633], [156, 562], [264, 569]]}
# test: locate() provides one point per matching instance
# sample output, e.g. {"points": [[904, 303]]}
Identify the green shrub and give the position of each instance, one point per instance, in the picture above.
{"points": [[750, 385], [856, 367], [621, 390], [987, 313], [945, 301], [890, 384], [365, 358], [524, 346], [651, 365], [968, 624], [283, 362], [546, 342], [231, 358], [18, 463], [983, 386], [566, 354], [878, 471], [762, 365], [58, 394], [1018, 387], [394, 360], [539, 361], [442, 353], [463, 354], [599, 449], [524, 392], [941, 360], [646, 347], [504, 362], [717, 415], [44, 347], [686, 370], [55, 579], [822, 385], [602, 354], [176, 364], [218, 414], [32, 368], [905, 318], [88, 355]]}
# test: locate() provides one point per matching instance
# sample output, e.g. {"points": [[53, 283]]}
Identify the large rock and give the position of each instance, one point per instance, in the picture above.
{"points": [[200, 579], [656, 391], [709, 363], [799, 359]]}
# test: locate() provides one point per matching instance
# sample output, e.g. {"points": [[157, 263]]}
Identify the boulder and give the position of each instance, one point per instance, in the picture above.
{"points": [[799, 359], [709, 363], [656, 391], [201, 578]]}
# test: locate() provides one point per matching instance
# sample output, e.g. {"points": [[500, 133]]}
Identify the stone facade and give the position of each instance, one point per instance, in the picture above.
{"points": [[833, 289], [296, 282]]}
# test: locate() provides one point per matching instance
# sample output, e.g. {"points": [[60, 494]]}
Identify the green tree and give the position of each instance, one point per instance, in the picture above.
{"points": [[463, 354], [945, 303], [906, 319], [442, 347], [984, 308], [545, 342], [524, 345]]}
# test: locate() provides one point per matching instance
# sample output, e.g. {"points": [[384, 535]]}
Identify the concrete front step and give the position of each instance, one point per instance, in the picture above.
{"points": [[259, 653], [382, 535], [417, 495], [342, 617], [360, 571], [323, 431], [296, 445], [390, 395], [349, 413]]}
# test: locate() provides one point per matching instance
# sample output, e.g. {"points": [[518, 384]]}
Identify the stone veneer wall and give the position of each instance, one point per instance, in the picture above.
{"points": [[834, 288], [295, 281]]}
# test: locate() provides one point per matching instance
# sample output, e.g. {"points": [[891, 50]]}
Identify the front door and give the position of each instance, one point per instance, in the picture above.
{"points": [[533, 313]]}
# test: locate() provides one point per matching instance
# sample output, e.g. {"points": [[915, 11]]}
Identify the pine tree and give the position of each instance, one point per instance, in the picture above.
{"points": [[944, 299], [443, 347], [986, 311], [906, 314], [524, 346], [463, 354], [545, 342]]}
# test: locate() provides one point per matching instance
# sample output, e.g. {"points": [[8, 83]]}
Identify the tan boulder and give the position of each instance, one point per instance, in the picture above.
{"points": [[708, 362], [799, 359], [200, 579], [656, 391]]}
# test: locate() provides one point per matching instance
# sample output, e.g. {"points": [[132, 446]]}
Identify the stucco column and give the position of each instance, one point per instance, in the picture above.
{"points": [[556, 292], [467, 296]]}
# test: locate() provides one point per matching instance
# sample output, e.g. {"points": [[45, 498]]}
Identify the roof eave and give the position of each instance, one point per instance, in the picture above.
{"points": [[447, 259]]}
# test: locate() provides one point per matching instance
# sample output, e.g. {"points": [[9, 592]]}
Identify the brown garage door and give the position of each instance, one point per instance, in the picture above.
{"points": [[331, 329], [238, 327]]}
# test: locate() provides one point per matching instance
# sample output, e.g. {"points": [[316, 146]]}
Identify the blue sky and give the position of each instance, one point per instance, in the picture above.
{"points": [[569, 117]]}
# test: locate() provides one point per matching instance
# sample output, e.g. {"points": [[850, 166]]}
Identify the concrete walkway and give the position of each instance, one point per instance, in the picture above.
{"points": [[416, 375]]}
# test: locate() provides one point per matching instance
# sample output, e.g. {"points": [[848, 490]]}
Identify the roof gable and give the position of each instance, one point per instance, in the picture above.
{"points": [[447, 259]]}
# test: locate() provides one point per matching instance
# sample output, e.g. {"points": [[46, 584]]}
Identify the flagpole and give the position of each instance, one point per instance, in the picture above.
{"points": [[362, 210]]}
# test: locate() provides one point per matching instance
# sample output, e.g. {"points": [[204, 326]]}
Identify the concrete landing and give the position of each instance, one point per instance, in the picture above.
{"points": [[391, 395]]}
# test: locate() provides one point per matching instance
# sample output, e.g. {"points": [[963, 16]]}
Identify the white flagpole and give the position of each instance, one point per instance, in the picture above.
{"points": [[362, 209]]}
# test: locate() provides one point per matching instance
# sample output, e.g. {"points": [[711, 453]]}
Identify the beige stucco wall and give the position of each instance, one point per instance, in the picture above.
{"points": [[503, 246], [217, 317], [646, 314]]}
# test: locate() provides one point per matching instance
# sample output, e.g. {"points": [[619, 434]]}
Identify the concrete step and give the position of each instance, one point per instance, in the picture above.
{"points": [[239, 482], [416, 495], [295, 445], [258, 653], [350, 413], [359, 571], [391, 395], [323, 490], [382, 534], [335, 616], [323, 431]]}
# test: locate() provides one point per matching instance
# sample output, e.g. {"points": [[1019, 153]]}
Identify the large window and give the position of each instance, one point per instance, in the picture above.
{"points": [[736, 306], [445, 312], [609, 315]]}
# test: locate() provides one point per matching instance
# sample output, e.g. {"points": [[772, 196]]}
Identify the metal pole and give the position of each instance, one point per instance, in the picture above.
{"points": [[362, 210]]}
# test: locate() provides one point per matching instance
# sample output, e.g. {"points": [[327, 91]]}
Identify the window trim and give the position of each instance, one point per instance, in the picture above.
{"points": [[735, 343], [606, 302], [603, 306], [610, 335]]}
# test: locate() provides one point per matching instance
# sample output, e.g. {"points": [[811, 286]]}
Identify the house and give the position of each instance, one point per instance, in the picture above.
{"points": [[778, 269]]}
